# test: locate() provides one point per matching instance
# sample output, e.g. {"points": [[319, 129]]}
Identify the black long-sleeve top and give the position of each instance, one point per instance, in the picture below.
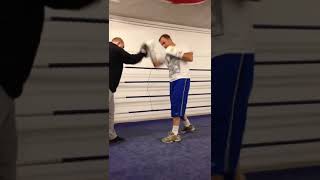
{"points": [[118, 57], [21, 27]]}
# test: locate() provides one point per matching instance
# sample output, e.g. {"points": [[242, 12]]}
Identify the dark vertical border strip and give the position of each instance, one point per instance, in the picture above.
{"points": [[286, 27], [293, 62], [81, 159], [63, 160], [281, 143], [79, 19], [87, 111], [284, 103]]}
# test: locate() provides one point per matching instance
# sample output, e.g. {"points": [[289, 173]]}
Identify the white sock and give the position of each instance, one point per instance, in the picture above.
{"points": [[175, 130], [186, 122]]}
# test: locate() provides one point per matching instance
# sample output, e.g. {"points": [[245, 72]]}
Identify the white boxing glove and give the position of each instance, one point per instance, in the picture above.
{"points": [[146, 47], [173, 51], [156, 58]]}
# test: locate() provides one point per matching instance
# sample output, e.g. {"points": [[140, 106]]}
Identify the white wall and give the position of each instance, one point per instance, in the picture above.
{"points": [[280, 83], [134, 32]]}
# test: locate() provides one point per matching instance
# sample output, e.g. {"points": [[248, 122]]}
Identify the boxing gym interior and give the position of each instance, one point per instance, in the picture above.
{"points": [[142, 101], [281, 137], [62, 115]]}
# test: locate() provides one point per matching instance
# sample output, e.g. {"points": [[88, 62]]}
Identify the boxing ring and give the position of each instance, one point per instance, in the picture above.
{"points": [[142, 110], [143, 90], [282, 136]]}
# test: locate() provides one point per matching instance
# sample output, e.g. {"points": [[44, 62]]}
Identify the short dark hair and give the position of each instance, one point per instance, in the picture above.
{"points": [[165, 36]]}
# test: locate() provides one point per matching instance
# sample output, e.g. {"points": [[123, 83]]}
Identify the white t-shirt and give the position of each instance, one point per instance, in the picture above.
{"points": [[178, 68], [233, 21]]}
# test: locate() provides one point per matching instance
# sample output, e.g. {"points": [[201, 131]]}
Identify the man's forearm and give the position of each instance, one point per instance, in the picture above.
{"points": [[187, 57], [173, 51], [133, 58]]}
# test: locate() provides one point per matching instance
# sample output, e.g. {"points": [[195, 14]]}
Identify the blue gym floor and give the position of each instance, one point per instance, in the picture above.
{"points": [[144, 157]]}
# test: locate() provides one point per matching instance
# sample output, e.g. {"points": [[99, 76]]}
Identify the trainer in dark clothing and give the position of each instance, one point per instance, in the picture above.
{"points": [[21, 27], [118, 57]]}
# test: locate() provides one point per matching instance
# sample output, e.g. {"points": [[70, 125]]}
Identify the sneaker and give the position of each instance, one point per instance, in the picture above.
{"points": [[171, 138], [116, 140], [188, 129]]}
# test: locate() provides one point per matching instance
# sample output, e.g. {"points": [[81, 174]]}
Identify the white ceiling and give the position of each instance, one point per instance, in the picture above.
{"points": [[156, 10]]}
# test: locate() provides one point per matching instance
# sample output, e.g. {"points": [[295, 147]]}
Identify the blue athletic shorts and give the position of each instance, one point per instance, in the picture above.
{"points": [[179, 90], [232, 80]]}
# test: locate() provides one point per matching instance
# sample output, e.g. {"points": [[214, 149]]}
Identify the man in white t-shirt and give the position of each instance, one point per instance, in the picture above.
{"points": [[177, 60], [232, 71]]}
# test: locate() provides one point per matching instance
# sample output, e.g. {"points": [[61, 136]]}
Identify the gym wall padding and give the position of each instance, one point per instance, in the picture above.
{"points": [[143, 93], [283, 121], [62, 114]]}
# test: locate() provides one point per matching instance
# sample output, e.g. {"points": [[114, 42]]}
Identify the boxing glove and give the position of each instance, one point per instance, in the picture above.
{"points": [[155, 57], [173, 51]]}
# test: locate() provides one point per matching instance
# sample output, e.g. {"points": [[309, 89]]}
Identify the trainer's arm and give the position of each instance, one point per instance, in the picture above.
{"points": [[128, 58]]}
